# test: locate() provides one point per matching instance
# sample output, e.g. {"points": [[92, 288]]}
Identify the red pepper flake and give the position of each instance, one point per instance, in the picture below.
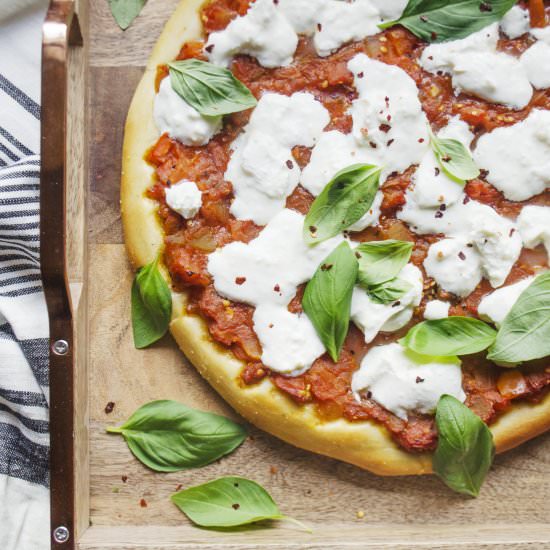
{"points": [[466, 200], [384, 128], [361, 74], [512, 231], [277, 288], [273, 470], [357, 255], [439, 214], [326, 267], [289, 164], [442, 207], [419, 380], [388, 118], [423, 18], [396, 304], [319, 27], [124, 479], [461, 255], [240, 280], [143, 503], [369, 394], [235, 506], [437, 171], [433, 35], [312, 229], [420, 140], [485, 6], [210, 48], [390, 142], [373, 144], [179, 487], [109, 407]]}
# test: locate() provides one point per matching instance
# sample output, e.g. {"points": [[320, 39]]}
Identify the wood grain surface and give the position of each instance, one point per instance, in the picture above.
{"points": [[512, 511]]}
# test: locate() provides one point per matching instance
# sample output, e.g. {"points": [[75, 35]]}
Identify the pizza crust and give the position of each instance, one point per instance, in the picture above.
{"points": [[366, 444]]}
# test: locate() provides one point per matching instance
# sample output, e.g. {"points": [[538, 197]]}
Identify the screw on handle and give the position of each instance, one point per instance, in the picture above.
{"points": [[61, 534]]}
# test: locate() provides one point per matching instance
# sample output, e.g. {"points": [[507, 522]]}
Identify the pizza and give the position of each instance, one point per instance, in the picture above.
{"points": [[350, 203]]}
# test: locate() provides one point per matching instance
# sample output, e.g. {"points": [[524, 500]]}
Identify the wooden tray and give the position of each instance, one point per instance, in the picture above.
{"points": [[109, 513]]}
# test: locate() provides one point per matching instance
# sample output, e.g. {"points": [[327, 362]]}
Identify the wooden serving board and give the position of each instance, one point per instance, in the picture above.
{"points": [[512, 511]]}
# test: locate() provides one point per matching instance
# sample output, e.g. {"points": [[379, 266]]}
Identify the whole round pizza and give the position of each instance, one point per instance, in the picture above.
{"points": [[349, 201]]}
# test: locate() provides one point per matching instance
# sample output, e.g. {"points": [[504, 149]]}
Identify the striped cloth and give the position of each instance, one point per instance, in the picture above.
{"points": [[24, 495]]}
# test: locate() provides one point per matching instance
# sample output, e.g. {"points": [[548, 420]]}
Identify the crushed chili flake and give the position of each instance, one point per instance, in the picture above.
{"points": [[143, 503], [109, 408], [124, 479], [240, 281]]}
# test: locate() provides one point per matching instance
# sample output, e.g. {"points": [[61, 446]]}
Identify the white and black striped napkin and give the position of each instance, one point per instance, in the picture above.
{"points": [[24, 439]]}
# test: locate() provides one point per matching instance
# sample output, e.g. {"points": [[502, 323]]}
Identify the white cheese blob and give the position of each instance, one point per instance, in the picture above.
{"points": [[495, 306], [184, 198], [262, 170], [389, 127], [174, 116], [455, 266], [534, 226], [431, 186], [406, 383], [289, 341], [518, 156], [436, 309], [371, 317], [268, 269], [515, 22], [263, 32], [536, 62], [477, 68]]}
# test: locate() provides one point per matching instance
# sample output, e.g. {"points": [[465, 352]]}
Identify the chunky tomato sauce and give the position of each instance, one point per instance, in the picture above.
{"points": [[489, 389]]}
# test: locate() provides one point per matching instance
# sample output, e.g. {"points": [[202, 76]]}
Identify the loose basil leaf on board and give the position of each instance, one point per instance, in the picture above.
{"points": [[465, 448], [151, 305], [125, 11], [167, 436], [228, 502], [454, 158], [450, 336], [211, 90], [343, 201], [381, 261], [388, 292], [327, 298], [442, 20], [524, 334]]}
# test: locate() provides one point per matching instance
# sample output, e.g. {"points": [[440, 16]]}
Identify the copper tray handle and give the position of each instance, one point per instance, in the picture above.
{"points": [[60, 31]]}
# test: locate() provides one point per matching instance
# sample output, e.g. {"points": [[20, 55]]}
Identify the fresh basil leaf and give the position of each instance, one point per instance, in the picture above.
{"points": [[450, 336], [228, 502], [343, 201], [327, 298], [151, 305], [381, 261], [454, 158], [465, 448], [388, 292], [442, 20], [167, 436], [211, 90], [524, 334], [125, 11]]}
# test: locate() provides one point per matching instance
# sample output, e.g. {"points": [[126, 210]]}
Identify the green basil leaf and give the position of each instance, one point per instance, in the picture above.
{"points": [[381, 261], [343, 201], [388, 292], [211, 90], [454, 158], [125, 11], [151, 305], [228, 502], [450, 336], [525, 332], [465, 448], [327, 298], [167, 436], [442, 20]]}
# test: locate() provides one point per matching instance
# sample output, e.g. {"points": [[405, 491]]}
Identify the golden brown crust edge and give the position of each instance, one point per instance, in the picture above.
{"points": [[365, 444]]}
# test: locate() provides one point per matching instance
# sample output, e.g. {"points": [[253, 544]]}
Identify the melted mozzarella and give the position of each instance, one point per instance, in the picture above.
{"points": [[289, 342], [262, 170], [174, 116], [407, 383], [263, 32], [515, 22], [477, 68], [184, 198], [495, 306], [536, 62], [518, 156], [454, 265], [534, 226], [372, 317], [431, 186], [273, 265], [436, 309]]}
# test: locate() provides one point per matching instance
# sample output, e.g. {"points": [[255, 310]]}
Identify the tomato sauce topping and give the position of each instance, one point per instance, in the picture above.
{"points": [[489, 389]]}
